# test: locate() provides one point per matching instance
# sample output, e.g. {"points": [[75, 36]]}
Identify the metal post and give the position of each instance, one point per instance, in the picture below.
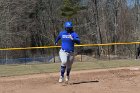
{"points": [[108, 53], [136, 56]]}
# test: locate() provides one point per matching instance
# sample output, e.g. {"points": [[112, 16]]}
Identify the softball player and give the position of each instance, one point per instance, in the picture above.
{"points": [[66, 53]]}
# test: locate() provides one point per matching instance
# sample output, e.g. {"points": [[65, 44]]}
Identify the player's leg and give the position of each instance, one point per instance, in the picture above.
{"points": [[63, 58], [69, 65]]}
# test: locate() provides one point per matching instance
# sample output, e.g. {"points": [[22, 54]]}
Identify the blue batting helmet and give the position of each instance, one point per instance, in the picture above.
{"points": [[68, 24]]}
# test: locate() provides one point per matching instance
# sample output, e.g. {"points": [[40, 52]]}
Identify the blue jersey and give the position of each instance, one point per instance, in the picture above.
{"points": [[67, 43]]}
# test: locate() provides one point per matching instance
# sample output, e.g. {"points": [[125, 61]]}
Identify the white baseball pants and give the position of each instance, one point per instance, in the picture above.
{"points": [[66, 58]]}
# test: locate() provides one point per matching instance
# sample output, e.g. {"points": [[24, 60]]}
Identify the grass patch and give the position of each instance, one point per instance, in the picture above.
{"points": [[15, 70]]}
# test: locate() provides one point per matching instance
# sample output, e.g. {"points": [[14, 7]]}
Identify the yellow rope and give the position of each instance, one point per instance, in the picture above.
{"points": [[82, 45]]}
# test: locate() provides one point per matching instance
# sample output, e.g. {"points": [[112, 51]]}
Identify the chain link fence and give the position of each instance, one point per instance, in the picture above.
{"points": [[82, 54]]}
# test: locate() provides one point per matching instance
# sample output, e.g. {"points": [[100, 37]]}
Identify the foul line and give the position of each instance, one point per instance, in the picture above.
{"points": [[82, 45]]}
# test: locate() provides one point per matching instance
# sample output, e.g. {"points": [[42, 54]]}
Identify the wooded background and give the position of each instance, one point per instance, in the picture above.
{"points": [[30, 23]]}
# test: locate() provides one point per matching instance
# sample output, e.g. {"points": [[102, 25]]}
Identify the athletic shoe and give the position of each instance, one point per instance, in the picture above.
{"points": [[61, 79], [67, 78]]}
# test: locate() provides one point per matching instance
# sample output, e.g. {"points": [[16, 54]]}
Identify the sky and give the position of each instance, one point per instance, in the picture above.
{"points": [[130, 3]]}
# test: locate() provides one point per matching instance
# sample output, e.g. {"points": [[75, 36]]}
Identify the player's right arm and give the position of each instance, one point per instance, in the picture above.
{"points": [[58, 38]]}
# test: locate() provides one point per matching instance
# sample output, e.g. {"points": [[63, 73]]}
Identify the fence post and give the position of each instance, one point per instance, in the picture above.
{"points": [[81, 57], [136, 52], [25, 56], [54, 54], [108, 53]]}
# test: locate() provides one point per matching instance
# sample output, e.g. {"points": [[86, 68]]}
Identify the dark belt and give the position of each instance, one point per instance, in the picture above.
{"points": [[67, 51]]}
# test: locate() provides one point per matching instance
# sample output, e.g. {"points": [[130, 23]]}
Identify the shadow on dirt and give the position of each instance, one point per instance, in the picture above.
{"points": [[83, 82]]}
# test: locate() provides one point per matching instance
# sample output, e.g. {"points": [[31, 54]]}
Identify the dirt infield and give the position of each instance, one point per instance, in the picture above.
{"points": [[121, 80]]}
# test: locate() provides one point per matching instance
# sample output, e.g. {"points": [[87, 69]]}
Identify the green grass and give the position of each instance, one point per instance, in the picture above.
{"points": [[15, 70]]}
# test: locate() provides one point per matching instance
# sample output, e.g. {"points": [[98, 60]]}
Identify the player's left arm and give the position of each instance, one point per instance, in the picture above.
{"points": [[76, 39]]}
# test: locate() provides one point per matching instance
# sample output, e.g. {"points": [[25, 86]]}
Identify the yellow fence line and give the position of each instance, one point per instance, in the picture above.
{"points": [[110, 44], [82, 45]]}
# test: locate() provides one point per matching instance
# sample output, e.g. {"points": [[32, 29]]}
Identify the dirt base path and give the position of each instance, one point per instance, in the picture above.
{"points": [[120, 80]]}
